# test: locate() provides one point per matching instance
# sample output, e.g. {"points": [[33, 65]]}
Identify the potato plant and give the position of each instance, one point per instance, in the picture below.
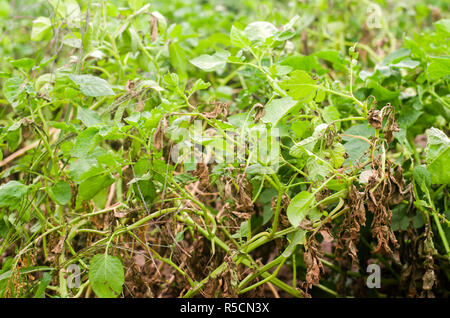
{"points": [[224, 148]]}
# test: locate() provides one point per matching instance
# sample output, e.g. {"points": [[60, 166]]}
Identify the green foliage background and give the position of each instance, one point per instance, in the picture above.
{"points": [[94, 94]]}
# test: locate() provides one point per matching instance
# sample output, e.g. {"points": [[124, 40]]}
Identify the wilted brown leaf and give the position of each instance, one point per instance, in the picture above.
{"points": [[219, 109], [158, 136], [313, 263], [428, 280], [154, 27], [260, 111], [374, 118]]}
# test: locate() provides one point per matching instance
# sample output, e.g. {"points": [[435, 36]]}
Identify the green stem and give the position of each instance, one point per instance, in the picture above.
{"points": [[277, 212], [265, 280], [261, 270]]}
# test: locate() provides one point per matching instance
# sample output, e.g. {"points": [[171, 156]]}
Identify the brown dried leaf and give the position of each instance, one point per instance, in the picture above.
{"points": [[306, 224], [314, 266], [158, 136], [59, 247], [202, 173], [260, 111], [428, 280], [154, 27], [120, 214], [245, 193], [139, 260], [129, 87], [374, 118], [351, 226], [391, 128], [357, 204], [378, 195], [219, 109], [421, 141], [242, 215]]}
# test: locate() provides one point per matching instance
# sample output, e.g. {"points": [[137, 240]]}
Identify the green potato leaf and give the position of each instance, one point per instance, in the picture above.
{"points": [[297, 238], [92, 85], [177, 58], [300, 207], [337, 155], [238, 38], [438, 67], [300, 86], [88, 117], [12, 88], [209, 63], [277, 108], [85, 142], [106, 275], [437, 155], [42, 27], [259, 31], [61, 192], [93, 185], [11, 193]]}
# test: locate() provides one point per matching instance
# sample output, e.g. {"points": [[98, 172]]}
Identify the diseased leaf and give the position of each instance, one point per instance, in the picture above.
{"points": [[152, 84], [69, 10], [306, 146], [331, 113], [366, 175], [337, 155], [317, 169], [354, 147], [83, 168], [280, 70], [406, 63], [14, 136], [214, 119]]}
